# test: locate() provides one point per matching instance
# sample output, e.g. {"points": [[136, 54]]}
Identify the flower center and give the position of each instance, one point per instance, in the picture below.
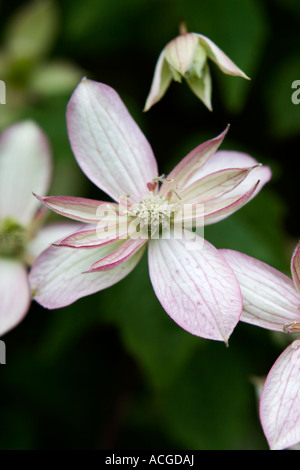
{"points": [[13, 238], [155, 213]]}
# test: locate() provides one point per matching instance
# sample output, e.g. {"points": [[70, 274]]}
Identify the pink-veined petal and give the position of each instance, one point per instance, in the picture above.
{"points": [[219, 209], [280, 400], [180, 52], [220, 58], [270, 298], [25, 166], [295, 267], [195, 286], [161, 80], [228, 159], [15, 295], [46, 236], [214, 185], [109, 146], [58, 277], [96, 236], [223, 160], [122, 254], [81, 209], [189, 165]]}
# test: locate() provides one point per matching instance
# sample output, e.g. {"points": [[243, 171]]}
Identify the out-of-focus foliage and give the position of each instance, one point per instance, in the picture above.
{"points": [[28, 38], [113, 371]]}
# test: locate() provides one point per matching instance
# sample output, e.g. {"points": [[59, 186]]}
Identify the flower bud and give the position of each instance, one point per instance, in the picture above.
{"points": [[186, 57]]}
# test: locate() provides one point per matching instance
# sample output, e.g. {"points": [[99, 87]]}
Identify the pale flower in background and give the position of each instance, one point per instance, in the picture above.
{"points": [[25, 166], [196, 287], [186, 57], [272, 300]]}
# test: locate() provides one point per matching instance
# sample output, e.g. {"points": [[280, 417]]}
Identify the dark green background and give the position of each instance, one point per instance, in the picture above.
{"points": [[112, 371]]}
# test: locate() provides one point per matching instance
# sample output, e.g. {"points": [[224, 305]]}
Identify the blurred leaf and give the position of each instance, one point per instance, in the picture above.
{"points": [[210, 402], [54, 78], [100, 26], [158, 344], [31, 31]]}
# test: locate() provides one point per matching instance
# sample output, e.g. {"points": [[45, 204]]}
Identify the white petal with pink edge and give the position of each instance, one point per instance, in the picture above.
{"points": [[15, 295], [195, 286], [214, 185], [228, 159], [58, 277], [25, 158], [180, 52], [122, 254], [270, 298], [220, 58], [96, 236], [161, 80], [81, 209], [213, 211], [295, 267], [280, 400], [109, 146], [181, 175]]}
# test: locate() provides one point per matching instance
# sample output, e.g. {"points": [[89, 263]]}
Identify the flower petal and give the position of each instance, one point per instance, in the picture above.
{"points": [[96, 236], [189, 165], [79, 208], [280, 400], [214, 185], [57, 277], [46, 236], [122, 254], [14, 294], [295, 267], [161, 81], [270, 298], [217, 210], [224, 159], [109, 146], [221, 59], [180, 52], [25, 166], [228, 159], [195, 286]]}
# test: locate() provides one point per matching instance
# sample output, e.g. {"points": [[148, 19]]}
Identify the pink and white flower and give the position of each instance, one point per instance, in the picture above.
{"points": [[25, 166], [186, 57], [272, 300], [196, 287]]}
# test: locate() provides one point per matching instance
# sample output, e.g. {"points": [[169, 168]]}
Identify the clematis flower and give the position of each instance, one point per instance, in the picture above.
{"points": [[25, 165], [196, 287], [272, 300], [186, 57]]}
